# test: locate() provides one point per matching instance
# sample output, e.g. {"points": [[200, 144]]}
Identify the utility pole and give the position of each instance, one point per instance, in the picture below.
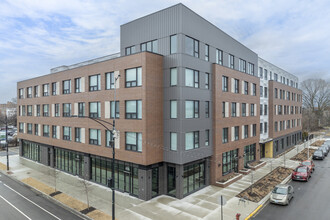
{"points": [[7, 141]]}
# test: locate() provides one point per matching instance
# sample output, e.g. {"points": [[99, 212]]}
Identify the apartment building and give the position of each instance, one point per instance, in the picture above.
{"points": [[280, 109], [187, 108]]}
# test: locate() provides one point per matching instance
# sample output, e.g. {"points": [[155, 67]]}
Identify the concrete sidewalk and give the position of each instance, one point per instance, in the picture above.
{"points": [[200, 205]]}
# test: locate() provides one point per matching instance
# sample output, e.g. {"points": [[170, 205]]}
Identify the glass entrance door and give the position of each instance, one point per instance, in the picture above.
{"points": [[127, 179]]}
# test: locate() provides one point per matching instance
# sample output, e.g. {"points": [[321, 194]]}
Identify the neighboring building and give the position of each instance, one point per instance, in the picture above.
{"points": [[9, 108], [280, 110], [187, 108]]}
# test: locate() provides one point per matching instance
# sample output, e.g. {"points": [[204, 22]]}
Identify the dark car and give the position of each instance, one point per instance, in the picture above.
{"points": [[301, 173], [324, 150], [318, 155]]}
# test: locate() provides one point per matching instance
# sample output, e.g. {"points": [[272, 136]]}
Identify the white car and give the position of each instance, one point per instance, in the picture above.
{"points": [[282, 194]]}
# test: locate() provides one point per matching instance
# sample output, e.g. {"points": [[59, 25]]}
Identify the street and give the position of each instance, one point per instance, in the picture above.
{"points": [[19, 202], [311, 199]]}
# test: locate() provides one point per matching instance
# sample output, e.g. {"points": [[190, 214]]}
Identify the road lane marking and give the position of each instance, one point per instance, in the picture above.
{"points": [[15, 208], [32, 202]]}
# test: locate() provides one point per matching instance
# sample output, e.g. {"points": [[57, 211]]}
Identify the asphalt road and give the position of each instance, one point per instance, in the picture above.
{"points": [[311, 199], [19, 202]]}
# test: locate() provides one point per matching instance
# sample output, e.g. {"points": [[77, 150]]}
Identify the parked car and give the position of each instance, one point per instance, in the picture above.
{"points": [[282, 194], [318, 155], [324, 150], [327, 147], [302, 173], [308, 163]]}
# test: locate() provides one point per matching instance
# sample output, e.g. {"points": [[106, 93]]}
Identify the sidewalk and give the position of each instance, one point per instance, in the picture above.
{"points": [[200, 205]]}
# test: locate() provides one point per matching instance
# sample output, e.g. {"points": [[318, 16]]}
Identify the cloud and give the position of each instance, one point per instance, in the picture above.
{"points": [[36, 36]]}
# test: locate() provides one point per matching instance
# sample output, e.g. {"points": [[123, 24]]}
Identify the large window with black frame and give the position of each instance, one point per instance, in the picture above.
{"points": [[69, 161], [193, 177], [229, 162], [249, 154]]}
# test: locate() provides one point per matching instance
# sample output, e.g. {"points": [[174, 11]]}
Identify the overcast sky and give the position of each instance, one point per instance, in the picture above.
{"points": [[36, 36]]}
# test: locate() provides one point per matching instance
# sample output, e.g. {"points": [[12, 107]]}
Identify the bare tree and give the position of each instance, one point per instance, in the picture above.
{"points": [[86, 188], [316, 100]]}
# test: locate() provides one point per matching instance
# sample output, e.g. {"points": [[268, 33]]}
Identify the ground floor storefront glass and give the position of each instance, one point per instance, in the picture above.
{"points": [[69, 161], [193, 177], [171, 183], [126, 174], [229, 162], [249, 154], [31, 150]]}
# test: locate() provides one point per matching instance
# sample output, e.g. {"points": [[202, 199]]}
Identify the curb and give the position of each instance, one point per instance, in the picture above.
{"points": [[48, 197]]}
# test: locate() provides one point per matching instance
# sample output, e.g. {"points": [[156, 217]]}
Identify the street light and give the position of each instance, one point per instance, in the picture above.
{"points": [[112, 144]]}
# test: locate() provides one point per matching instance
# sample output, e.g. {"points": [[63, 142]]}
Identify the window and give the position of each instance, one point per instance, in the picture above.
{"points": [[229, 162], [133, 77], [130, 50], [95, 109], [236, 85], [81, 109], [219, 57], [77, 85], [134, 109], [266, 92], [46, 130], [151, 46], [174, 109], [246, 131], [280, 109], [45, 89], [29, 110], [246, 88], [174, 76], [207, 51], [207, 80], [66, 110], [251, 69], [266, 109], [207, 137], [225, 135], [67, 133], [231, 61], [192, 109], [242, 65], [260, 72], [77, 137], [254, 130], [174, 141], [192, 46], [192, 78], [95, 136], [265, 127], [207, 109], [223, 109], [21, 127], [36, 129], [275, 77], [233, 109], [29, 92], [261, 110], [54, 131], [45, 110], [173, 44], [243, 109], [54, 88], [236, 131], [261, 128], [114, 109], [192, 140], [252, 109], [133, 141], [95, 83], [276, 126], [224, 83], [254, 89], [110, 80], [36, 91], [261, 91], [57, 110], [21, 93], [266, 74], [29, 128], [66, 86], [38, 110], [276, 93]]}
